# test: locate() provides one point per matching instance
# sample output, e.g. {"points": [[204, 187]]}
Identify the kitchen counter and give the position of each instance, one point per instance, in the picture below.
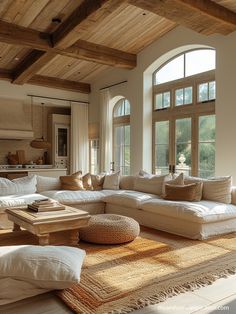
{"points": [[22, 172], [32, 169]]}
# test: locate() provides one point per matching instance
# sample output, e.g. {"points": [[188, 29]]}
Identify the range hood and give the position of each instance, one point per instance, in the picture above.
{"points": [[16, 135], [15, 120]]}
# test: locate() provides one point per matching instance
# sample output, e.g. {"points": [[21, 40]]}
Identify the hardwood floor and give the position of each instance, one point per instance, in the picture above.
{"points": [[220, 297]]}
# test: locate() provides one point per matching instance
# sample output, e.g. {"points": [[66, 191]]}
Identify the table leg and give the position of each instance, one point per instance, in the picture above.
{"points": [[74, 237], [16, 227], [43, 239]]}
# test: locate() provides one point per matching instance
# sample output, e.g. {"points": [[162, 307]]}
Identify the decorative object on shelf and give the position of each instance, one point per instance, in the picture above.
{"points": [[12, 159], [40, 143]]}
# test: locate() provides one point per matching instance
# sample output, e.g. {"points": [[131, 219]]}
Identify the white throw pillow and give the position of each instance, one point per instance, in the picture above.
{"points": [[47, 267], [218, 189], [152, 185], [48, 184], [24, 185], [112, 181]]}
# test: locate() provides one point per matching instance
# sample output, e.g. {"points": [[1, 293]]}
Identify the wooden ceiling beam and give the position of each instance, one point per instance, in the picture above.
{"points": [[5, 75], [22, 36], [60, 84], [85, 50], [51, 82], [88, 13], [32, 63], [19, 35], [203, 16]]}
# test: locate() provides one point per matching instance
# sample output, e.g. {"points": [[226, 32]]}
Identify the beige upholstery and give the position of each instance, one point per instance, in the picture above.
{"points": [[110, 229]]}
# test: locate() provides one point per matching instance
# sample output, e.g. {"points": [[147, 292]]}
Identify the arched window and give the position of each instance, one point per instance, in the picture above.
{"points": [[121, 136], [184, 91]]}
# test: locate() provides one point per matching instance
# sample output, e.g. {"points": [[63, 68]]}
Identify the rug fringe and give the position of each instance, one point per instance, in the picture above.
{"points": [[160, 296]]}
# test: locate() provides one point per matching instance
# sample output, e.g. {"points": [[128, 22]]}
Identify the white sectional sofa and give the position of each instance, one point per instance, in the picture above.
{"points": [[195, 220]]}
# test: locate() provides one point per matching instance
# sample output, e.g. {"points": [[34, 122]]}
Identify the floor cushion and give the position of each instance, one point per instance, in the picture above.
{"points": [[110, 229]]}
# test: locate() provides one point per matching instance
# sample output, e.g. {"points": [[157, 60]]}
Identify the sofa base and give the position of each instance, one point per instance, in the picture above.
{"points": [[188, 229]]}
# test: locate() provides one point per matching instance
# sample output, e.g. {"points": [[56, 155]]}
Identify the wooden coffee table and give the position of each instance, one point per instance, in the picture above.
{"points": [[55, 227]]}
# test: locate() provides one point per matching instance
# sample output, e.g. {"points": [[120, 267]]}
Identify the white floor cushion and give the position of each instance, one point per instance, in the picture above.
{"points": [[44, 267]]}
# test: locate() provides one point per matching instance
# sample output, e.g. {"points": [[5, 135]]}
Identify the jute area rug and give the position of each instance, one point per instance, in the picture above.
{"points": [[123, 278]]}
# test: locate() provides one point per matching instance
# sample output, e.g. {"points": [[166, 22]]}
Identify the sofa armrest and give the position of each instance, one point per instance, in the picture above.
{"points": [[233, 195]]}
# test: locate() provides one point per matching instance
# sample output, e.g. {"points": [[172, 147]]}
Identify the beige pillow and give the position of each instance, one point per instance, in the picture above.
{"points": [[97, 181], [127, 182], [152, 185], [48, 184], [189, 192], [218, 189], [112, 181], [72, 183]]}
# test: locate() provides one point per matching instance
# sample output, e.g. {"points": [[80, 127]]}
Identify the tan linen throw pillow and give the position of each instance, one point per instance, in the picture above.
{"points": [[72, 183], [179, 180], [87, 181], [189, 192], [97, 181]]}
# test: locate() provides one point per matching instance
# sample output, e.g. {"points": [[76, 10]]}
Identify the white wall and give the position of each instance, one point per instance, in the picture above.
{"points": [[138, 91]]}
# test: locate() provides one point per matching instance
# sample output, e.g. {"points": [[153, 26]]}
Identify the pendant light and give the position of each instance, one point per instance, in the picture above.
{"points": [[40, 143]]}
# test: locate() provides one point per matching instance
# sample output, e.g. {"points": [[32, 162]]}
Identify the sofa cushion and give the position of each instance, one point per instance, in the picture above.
{"points": [[97, 181], [67, 197], [127, 182], [72, 183], [131, 199], [24, 185], [201, 212], [189, 192], [216, 189], [18, 200], [178, 180], [47, 183], [112, 181], [152, 185]]}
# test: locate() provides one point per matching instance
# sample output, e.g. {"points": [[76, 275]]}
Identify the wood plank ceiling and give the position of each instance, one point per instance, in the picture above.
{"points": [[67, 43]]}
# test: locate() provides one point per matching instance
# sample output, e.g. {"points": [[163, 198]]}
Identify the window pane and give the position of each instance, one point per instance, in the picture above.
{"points": [[127, 134], [188, 95], [127, 107], [212, 90], [203, 92], [162, 147], [207, 128], [199, 61], [183, 145], [179, 97], [162, 132], [206, 148], [122, 148], [158, 101], [166, 99], [122, 108], [162, 100], [206, 160], [171, 71]]}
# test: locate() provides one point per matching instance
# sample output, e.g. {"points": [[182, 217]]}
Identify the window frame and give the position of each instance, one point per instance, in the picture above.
{"points": [[172, 113], [118, 122]]}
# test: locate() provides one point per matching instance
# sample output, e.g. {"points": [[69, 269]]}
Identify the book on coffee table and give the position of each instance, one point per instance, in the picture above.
{"points": [[45, 205]]}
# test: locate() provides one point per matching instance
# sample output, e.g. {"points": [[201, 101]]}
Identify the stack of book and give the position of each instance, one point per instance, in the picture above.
{"points": [[45, 205]]}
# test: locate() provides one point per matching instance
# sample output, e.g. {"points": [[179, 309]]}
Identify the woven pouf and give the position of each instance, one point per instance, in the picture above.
{"points": [[110, 229]]}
